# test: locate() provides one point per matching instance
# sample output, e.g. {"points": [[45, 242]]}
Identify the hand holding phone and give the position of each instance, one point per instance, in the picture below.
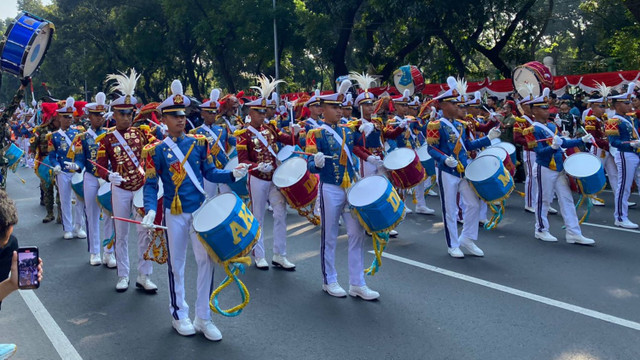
{"points": [[29, 268]]}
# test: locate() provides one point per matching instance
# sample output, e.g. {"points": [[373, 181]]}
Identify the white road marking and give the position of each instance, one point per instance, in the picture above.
{"points": [[59, 340], [611, 227], [527, 295]]}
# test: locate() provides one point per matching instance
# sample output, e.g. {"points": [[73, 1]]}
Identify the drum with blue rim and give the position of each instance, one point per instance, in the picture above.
{"points": [[489, 178], [44, 170], [24, 45], [13, 155], [77, 184], [104, 196], [376, 203], [587, 169], [239, 186], [428, 163], [225, 227], [510, 149]]}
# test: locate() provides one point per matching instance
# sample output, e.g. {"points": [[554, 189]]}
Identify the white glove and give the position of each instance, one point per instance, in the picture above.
{"points": [[57, 170], [494, 133], [72, 166], [296, 129], [374, 160], [265, 167], [147, 221], [557, 120], [587, 139], [557, 142], [402, 123], [635, 144], [240, 171], [319, 160], [115, 178], [565, 133], [367, 128], [451, 162]]}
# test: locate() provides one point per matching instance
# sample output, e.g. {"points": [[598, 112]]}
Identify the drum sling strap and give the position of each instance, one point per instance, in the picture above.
{"points": [[459, 144], [345, 154], [179, 176], [216, 144]]}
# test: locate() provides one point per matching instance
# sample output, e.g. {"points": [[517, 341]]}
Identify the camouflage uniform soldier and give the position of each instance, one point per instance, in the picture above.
{"points": [[39, 147]]}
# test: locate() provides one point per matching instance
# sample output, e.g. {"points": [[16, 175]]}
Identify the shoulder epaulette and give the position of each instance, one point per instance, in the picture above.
{"points": [[611, 127], [80, 128], [239, 132], [193, 131], [521, 119], [433, 132], [144, 127], [150, 149], [101, 136]]}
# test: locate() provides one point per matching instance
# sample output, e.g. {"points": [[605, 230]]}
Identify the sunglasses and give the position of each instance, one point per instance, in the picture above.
{"points": [[544, 107]]}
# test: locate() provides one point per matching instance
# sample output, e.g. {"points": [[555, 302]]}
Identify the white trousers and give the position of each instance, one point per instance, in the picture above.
{"points": [[333, 200], [260, 191], [122, 203], [23, 144], [367, 169], [419, 191], [627, 165], [179, 234], [530, 166], [72, 216], [547, 182], [92, 215], [214, 189], [609, 165], [449, 187]]}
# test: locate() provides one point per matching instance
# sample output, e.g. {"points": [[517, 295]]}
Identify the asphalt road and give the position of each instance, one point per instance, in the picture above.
{"points": [[524, 300]]}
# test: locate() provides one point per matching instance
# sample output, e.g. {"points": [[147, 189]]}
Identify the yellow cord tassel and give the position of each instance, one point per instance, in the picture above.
{"points": [[178, 177], [346, 180]]}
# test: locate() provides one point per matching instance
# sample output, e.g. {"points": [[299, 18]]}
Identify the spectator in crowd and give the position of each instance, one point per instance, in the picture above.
{"points": [[553, 110], [568, 122], [492, 103]]}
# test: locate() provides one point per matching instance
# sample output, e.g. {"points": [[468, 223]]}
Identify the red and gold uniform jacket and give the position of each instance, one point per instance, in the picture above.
{"points": [[251, 150]]}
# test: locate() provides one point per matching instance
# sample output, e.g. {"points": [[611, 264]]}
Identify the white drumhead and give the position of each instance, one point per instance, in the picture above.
{"points": [[496, 151], [495, 141], [423, 153], [77, 178], [285, 152], [483, 167], [582, 165], [522, 76], [213, 212], [232, 164], [290, 172], [399, 158], [367, 190], [38, 49], [509, 147], [138, 196]]}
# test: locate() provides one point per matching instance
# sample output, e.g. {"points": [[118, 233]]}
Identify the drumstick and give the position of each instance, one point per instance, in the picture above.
{"points": [[100, 166], [41, 163], [310, 154], [137, 222]]}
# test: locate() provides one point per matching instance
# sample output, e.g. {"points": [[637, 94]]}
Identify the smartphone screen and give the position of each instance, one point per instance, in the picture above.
{"points": [[28, 260]]}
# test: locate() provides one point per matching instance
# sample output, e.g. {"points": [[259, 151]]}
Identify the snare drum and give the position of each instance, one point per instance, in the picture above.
{"points": [[405, 169], [376, 203], [287, 152], [426, 160], [77, 184], [534, 73], [239, 186], [296, 183], [587, 169], [13, 155], [501, 154], [225, 226], [408, 77], [27, 39], [104, 197], [511, 150], [489, 178], [44, 171]]}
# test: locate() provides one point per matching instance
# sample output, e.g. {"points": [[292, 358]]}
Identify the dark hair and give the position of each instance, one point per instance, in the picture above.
{"points": [[8, 213]]}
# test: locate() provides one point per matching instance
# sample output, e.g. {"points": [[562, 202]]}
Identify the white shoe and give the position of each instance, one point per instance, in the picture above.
{"points": [[334, 289], [363, 292], [530, 209], [110, 260], [270, 208], [597, 202], [552, 211], [94, 259], [461, 221], [123, 284], [144, 282], [432, 193], [631, 204], [627, 224], [483, 222], [184, 327], [80, 234], [208, 328], [68, 235], [407, 210], [393, 233], [261, 263], [424, 210], [282, 262], [472, 247], [545, 236], [579, 239], [456, 253]]}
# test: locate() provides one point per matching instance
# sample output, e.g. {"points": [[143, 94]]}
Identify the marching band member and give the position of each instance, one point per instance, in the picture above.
{"points": [[121, 150], [369, 126], [623, 136], [146, 118], [228, 117], [594, 123], [448, 147], [182, 162], [256, 146], [315, 110], [217, 138], [39, 146], [62, 156], [550, 174], [86, 147], [334, 148]]}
